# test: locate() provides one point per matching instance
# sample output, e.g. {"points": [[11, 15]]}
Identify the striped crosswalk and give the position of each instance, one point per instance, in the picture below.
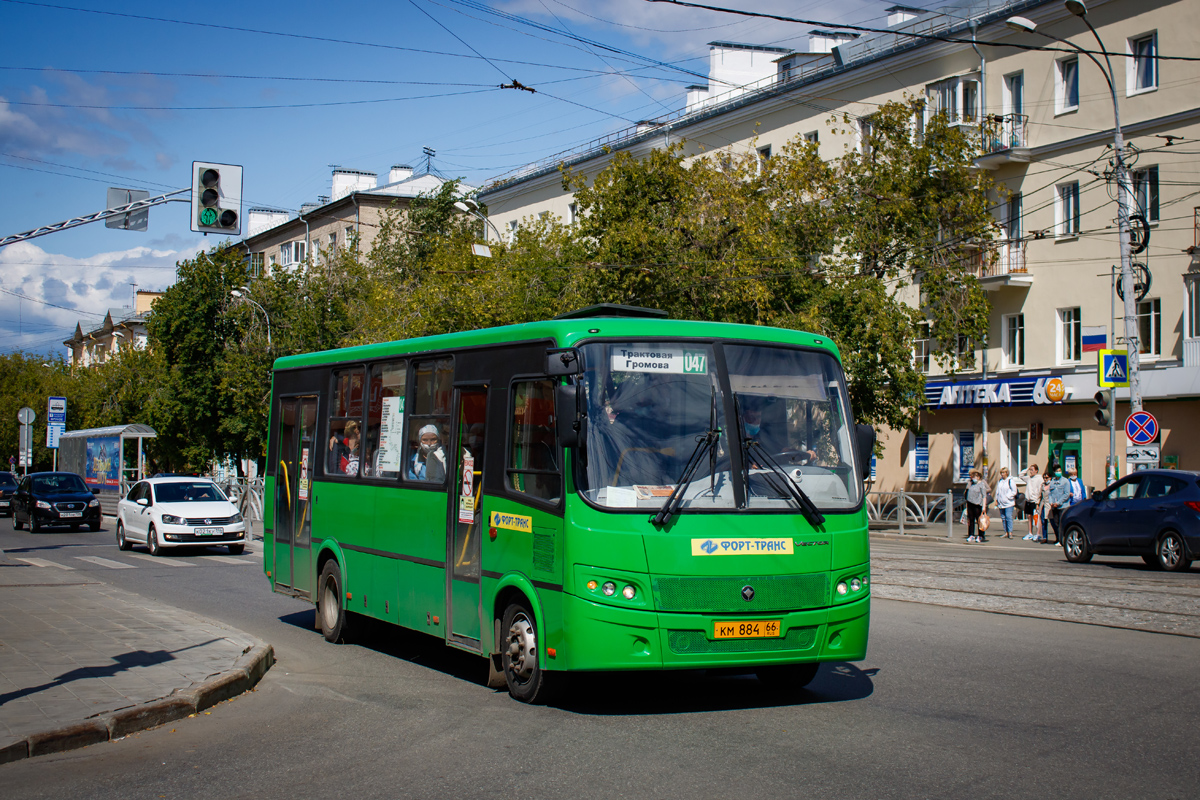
{"points": [[142, 560]]}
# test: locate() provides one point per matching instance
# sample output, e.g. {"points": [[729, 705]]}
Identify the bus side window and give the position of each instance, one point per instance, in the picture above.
{"points": [[533, 467], [343, 453], [385, 421], [428, 422]]}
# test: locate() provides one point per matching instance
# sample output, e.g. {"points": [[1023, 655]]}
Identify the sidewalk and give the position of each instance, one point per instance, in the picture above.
{"points": [[82, 662]]}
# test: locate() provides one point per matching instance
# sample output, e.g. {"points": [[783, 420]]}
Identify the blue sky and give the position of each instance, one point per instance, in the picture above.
{"points": [[130, 97]]}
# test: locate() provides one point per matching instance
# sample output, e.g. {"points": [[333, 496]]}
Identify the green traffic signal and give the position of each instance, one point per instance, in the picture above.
{"points": [[208, 217]]}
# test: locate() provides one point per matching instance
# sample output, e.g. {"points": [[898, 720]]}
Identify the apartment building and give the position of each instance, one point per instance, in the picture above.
{"points": [[122, 328], [1044, 117], [351, 213]]}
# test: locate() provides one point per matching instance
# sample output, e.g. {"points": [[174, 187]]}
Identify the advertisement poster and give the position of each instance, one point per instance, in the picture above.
{"points": [[103, 463], [303, 485]]}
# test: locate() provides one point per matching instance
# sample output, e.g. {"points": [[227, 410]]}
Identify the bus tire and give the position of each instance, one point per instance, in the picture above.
{"points": [[526, 679], [331, 611], [787, 678]]}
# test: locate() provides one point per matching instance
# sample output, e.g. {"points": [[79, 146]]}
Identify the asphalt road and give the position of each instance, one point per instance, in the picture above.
{"points": [[949, 703]]}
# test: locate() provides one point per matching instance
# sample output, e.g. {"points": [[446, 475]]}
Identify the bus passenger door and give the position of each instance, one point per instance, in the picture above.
{"points": [[465, 519], [293, 493]]}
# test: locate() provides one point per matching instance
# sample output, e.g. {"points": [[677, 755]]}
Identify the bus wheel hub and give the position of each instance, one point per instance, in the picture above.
{"points": [[522, 648]]}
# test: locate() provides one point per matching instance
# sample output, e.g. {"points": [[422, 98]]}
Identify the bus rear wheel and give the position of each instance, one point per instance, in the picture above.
{"points": [[526, 679], [787, 678], [330, 609]]}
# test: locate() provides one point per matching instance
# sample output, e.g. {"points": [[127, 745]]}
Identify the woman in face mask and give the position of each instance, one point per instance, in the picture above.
{"points": [[428, 463], [1058, 497]]}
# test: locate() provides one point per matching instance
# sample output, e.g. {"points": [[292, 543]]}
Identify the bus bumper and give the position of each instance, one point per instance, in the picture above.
{"points": [[601, 637]]}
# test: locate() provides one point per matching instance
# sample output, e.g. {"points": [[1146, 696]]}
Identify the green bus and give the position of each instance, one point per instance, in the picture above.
{"points": [[606, 490]]}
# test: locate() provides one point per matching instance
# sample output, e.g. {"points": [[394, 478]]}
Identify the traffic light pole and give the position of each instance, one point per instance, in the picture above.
{"points": [[75, 222]]}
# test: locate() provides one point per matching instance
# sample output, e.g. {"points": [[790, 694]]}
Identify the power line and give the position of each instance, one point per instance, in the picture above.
{"points": [[261, 107], [222, 76], [52, 305]]}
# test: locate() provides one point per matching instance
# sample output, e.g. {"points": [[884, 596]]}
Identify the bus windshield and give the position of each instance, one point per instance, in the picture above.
{"points": [[650, 404]]}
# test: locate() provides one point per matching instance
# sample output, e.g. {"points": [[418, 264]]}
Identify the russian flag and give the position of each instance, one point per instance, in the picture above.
{"points": [[1095, 339]]}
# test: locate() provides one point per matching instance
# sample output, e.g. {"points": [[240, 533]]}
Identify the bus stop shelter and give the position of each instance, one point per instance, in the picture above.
{"points": [[109, 459]]}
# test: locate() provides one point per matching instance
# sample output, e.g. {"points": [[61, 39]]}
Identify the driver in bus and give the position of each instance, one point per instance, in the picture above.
{"points": [[752, 422], [428, 463]]}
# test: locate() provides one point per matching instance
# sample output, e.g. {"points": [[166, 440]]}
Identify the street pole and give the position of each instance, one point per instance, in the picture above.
{"points": [[1112, 413]]}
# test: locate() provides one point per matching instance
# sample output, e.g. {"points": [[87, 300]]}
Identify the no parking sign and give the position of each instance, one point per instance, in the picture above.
{"points": [[1141, 427]]}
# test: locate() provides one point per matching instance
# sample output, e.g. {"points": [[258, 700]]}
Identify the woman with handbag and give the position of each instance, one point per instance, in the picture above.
{"points": [[1006, 500], [977, 503]]}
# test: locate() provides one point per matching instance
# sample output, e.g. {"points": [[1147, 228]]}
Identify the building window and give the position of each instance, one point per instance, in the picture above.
{"points": [[1013, 96], [1012, 223], [785, 70], [1149, 319], [764, 153], [1066, 85], [1070, 334], [866, 131], [923, 347], [964, 352], [813, 137], [274, 259], [1142, 75], [512, 230], [572, 213], [1066, 209], [1015, 453], [957, 98], [1192, 284], [333, 241], [349, 235], [970, 101], [1014, 340], [1145, 192], [256, 264], [918, 456]]}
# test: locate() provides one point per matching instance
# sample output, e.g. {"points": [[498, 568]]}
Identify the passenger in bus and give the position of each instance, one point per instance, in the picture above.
{"points": [[340, 448], [428, 463]]}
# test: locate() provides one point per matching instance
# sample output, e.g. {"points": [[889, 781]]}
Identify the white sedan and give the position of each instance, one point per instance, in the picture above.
{"points": [[179, 512]]}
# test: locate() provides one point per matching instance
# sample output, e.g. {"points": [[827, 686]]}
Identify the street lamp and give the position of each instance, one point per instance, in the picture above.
{"points": [[243, 294], [469, 206], [1124, 192]]}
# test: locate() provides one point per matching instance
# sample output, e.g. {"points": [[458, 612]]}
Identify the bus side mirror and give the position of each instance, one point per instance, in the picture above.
{"points": [[563, 361], [567, 420], [865, 446]]}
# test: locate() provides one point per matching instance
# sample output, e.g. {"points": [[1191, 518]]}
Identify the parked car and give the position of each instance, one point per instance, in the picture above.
{"points": [[8, 487], [45, 499], [1154, 514], [178, 512]]}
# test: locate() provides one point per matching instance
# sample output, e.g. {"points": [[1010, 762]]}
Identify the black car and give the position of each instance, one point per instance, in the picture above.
{"points": [[1154, 514], [55, 498], [8, 487]]}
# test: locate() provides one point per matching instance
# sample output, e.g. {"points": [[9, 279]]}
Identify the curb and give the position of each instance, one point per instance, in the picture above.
{"points": [[181, 703]]}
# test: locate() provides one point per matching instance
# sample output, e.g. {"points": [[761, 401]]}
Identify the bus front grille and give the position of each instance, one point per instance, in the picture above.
{"points": [[695, 642], [724, 594]]}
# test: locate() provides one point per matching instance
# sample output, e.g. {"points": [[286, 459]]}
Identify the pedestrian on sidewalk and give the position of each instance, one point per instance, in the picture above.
{"points": [[977, 503], [1058, 497], [1077, 488], [1033, 502], [1006, 500]]}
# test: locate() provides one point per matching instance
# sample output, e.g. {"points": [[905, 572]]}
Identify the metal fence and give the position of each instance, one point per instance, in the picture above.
{"points": [[247, 495], [914, 510]]}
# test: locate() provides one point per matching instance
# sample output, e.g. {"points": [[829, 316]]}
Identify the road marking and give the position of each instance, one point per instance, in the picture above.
{"points": [[162, 562], [230, 559], [41, 562], [104, 562]]}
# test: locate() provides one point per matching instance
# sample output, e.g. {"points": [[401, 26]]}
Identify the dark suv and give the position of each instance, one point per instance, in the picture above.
{"points": [[8, 487], [55, 498]]}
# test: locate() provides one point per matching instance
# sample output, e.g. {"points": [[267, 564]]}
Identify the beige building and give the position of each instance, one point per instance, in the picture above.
{"points": [[1044, 117], [122, 328], [352, 213]]}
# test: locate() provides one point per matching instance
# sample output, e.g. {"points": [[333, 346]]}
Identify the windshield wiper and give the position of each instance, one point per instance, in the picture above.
{"points": [[704, 442], [807, 507]]}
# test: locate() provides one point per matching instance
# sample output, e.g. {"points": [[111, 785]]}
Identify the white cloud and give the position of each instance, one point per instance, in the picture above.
{"points": [[63, 291]]}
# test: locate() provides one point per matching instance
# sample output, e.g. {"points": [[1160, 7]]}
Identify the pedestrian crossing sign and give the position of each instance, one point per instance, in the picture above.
{"points": [[1113, 368]]}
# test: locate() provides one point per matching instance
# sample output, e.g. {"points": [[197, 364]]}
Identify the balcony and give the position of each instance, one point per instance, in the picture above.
{"points": [[1004, 140], [1005, 268]]}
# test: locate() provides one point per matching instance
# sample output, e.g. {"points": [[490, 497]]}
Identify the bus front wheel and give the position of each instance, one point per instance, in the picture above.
{"points": [[526, 680], [332, 613], [787, 677]]}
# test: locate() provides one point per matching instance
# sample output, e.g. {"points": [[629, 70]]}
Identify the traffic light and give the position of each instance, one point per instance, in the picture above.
{"points": [[216, 198], [1104, 412]]}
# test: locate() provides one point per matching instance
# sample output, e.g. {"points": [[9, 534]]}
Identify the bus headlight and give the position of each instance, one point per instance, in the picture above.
{"points": [[855, 584], [842, 588], [609, 588], [628, 592]]}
